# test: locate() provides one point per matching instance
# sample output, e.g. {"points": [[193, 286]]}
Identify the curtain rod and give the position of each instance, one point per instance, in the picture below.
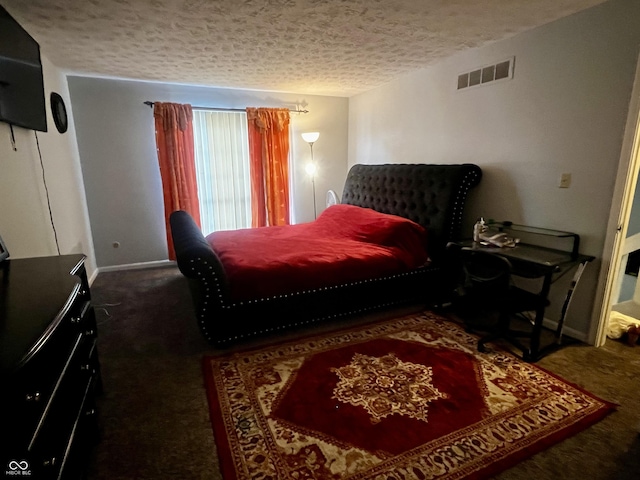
{"points": [[220, 109]]}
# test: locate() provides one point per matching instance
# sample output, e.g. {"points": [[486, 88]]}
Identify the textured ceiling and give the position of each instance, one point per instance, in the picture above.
{"points": [[325, 47]]}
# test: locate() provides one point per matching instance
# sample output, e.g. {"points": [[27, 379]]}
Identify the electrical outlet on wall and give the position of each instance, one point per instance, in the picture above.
{"points": [[565, 180]]}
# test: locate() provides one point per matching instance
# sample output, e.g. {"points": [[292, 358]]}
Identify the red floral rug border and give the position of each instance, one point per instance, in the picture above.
{"points": [[222, 424]]}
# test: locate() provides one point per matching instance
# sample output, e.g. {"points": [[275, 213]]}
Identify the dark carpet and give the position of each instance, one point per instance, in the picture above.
{"points": [[154, 414]]}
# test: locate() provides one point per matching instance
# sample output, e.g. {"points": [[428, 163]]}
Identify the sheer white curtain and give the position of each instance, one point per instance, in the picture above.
{"points": [[222, 169]]}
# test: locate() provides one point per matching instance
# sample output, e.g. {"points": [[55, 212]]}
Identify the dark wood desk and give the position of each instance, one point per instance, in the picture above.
{"points": [[534, 261]]}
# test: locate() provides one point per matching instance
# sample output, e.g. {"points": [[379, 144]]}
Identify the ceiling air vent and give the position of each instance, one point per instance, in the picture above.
{"points": [[488, 74]]}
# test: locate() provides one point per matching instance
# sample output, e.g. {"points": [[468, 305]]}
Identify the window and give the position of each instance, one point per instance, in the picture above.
{"points": [[222, 169]]}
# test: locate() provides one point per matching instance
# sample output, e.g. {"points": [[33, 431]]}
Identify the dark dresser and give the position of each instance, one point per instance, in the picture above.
{"points": [[50, 372]]}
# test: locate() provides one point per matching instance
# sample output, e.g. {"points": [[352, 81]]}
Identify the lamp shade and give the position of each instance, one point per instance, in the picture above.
{"points": [[310, 137]]}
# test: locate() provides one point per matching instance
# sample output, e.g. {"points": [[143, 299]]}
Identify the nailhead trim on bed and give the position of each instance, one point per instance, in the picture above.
{"points": [[205, 303]]}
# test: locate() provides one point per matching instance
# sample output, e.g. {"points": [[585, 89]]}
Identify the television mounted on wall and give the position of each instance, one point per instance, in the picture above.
{"points": [[22, 100]]}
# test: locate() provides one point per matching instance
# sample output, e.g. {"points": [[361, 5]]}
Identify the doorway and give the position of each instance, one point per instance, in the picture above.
{"points": [[621, 289], [625, 295]]}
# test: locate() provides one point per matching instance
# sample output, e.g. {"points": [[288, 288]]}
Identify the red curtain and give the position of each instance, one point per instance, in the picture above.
{"points": [[174, 141], [269, 165]]}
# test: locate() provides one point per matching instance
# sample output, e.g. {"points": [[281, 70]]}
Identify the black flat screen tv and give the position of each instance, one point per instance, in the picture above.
{"points": [[22, 100]]}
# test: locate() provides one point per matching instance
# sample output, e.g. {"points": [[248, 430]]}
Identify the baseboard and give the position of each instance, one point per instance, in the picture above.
{"points": [[566, 331], [93, 277], [136, 266]]}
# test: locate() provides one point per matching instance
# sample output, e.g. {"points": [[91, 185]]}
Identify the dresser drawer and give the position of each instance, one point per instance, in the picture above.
{"points": [[42, 374], [70, 423]]}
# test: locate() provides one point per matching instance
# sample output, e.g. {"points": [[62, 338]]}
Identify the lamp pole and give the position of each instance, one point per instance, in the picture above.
{"points": [[313, 182], [310, 138]]}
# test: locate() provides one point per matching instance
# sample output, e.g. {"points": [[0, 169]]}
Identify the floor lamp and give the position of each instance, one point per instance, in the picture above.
{"points": [[311, 138]]}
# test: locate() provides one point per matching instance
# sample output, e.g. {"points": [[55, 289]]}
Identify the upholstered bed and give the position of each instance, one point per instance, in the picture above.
{"points": [[416, 203]]}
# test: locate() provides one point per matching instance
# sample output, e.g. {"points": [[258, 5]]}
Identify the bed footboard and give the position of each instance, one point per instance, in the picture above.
{"points": [[198, 262]]}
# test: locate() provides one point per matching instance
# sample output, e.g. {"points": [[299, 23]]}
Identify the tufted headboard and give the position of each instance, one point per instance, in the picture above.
{"points": [[431, 195]]}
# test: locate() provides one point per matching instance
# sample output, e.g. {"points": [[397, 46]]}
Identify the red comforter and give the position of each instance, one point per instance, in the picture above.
{"points": [[345, 244]]}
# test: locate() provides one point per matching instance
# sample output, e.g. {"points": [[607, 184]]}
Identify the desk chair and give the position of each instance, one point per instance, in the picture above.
{"points": [[488, 286]]}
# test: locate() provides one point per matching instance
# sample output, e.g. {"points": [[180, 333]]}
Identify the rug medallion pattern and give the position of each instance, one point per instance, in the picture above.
{"points": [[409, 398], [386, 385]]}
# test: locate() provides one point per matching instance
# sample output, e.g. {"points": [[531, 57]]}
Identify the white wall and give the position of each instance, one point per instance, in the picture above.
{"points": [[120, 167], [25, 225], [633, 227], [564, 111]]}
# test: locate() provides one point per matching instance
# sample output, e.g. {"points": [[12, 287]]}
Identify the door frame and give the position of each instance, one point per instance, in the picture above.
{"points": [[624, 190]]}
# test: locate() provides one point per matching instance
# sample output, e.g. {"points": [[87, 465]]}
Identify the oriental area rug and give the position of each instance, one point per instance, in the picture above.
{"points": [[409, 398]]}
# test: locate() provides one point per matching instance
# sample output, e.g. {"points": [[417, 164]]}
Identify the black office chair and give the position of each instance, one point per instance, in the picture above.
{"points": [[487, 288]]}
